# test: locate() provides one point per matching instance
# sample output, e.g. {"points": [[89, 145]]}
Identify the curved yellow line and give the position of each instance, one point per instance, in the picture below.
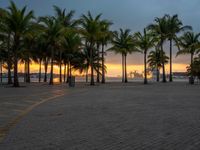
{"points": [[4, 130]]}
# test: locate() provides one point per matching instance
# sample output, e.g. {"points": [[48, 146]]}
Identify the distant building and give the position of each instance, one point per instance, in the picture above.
{"points": [[180, 75], [135, 74]]}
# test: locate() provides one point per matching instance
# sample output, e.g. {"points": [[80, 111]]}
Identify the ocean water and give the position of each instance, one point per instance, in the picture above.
{"points": [[108, 79]]}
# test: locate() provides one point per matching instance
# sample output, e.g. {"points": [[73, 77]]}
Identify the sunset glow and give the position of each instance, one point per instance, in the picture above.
{"points": [[113, 70]]}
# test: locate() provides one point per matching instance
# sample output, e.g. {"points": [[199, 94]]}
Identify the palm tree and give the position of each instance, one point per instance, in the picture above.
{"points": [[175, 26], [67, 22], [66, 19], [6, 35], [189, 44], [41, 54], [2, 46], [144, 42], [19, 24], [53, 34], [194, 69], [28, 50], [81, 62], [90, 30], [71, 45], [25, 58], [105, 39], [155, 60], [3, 57], [123, 44], [160, 30]]}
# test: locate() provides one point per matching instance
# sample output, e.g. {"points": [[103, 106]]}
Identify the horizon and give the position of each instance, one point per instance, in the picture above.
{"points": [[114, 69]]}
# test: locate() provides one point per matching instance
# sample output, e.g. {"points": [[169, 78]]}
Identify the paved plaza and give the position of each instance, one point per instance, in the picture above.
{"points": [[114, 116]]}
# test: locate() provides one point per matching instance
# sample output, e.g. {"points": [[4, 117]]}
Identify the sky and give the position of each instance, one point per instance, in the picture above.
{"points": [[132, 14]]}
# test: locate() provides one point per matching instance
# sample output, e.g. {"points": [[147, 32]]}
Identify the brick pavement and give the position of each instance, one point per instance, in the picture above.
{"points": [[114, 117]]}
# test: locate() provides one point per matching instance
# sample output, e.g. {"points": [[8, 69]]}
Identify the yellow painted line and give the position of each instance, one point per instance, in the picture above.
{"points": [[4, 130], [16, 104]]}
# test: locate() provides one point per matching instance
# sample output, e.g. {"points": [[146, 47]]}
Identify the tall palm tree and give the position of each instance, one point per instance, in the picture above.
{"points": [[41, 54], [71, 45], [2, 46], [3, 57], [175, 26], [28, 50], [123, 44], [19, 24], [155, 61], [144, 41], [6, 35], [189, 44], [104, 40], [53, 33], [160, 30], [67, 22], [90, 30]]}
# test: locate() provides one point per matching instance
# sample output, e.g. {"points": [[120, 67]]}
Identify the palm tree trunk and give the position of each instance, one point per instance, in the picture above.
{"points": [[92, 76], [9, 61], [157, 73], [28, 71], [40, 70], [1, 70], [86, 77], [60, 73], [125, 69], [45, 70], [192, 77], [60, 63], [16, 81], [163, 64], [25, 71], [145, 67], [192, 56], [68, 72], [9, 72], [92, 67], [51, 72], [122, 68], [64, 72], [170, 57], [15, 50], [98, 69], [103, 69]]}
